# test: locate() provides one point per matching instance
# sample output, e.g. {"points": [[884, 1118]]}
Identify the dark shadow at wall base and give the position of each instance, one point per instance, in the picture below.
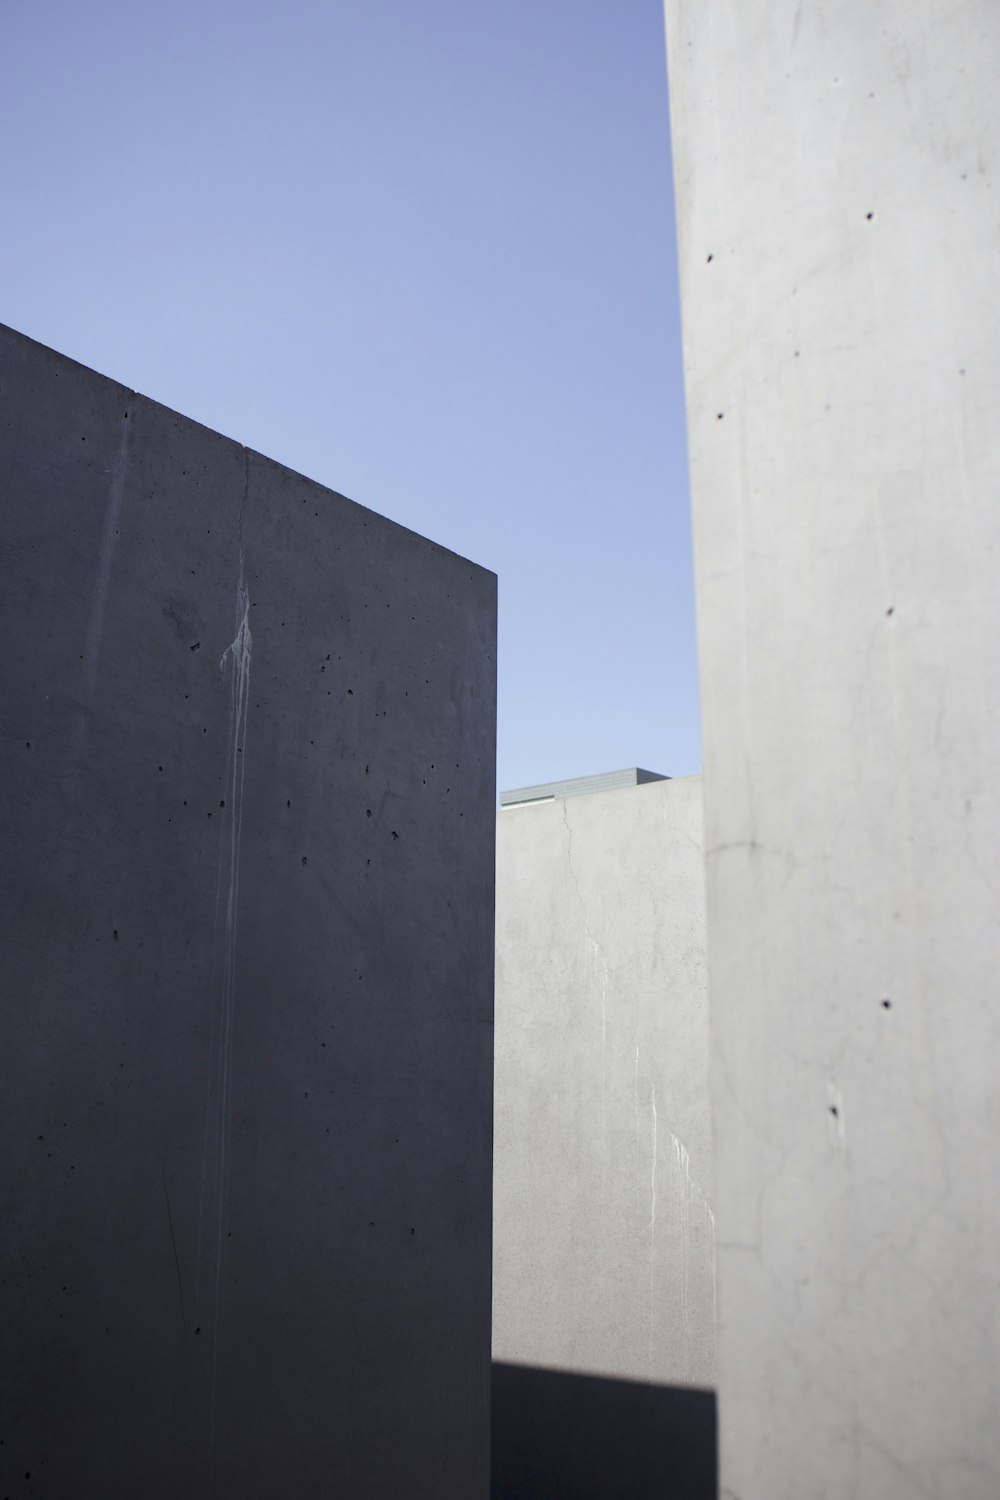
{"points": [[558, 1436]]}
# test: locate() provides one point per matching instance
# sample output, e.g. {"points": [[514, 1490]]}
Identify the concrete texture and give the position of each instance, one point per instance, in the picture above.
{"points": [[603, 1253], [836, 172], [248, 815]]}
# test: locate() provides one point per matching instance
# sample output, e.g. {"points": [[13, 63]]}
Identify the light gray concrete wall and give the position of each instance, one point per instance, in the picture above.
{"points": [[836, 177], [246, 970], [603, 1248]]}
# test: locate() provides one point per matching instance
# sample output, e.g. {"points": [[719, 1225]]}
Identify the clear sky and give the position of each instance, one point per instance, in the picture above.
{"points": [[422, 251]]}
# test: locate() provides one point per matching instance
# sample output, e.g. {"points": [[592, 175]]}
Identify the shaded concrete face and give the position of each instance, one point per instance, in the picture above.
{"points": [[603, 1253], [559, 1435], [248, 824], [835, 170]]}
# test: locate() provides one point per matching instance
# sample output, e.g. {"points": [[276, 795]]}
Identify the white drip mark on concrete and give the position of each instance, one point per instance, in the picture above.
{"points": [[692, 1206], [682, 1188], [677, 1283], [105, 558], [637, 1133], [683, 1162], [236, 660]]}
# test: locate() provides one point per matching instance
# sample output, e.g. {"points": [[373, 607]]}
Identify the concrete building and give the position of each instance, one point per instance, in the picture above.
{"points": [[836, 177], [603, 1236], [248, 823]]}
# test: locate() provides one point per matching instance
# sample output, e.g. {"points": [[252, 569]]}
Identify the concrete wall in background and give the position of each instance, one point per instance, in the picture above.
{"points": [[836, 173], [603, 1246], [248, 822]]}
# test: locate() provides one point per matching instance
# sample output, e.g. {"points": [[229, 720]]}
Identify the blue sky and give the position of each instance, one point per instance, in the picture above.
{"points": [[422, 251]]}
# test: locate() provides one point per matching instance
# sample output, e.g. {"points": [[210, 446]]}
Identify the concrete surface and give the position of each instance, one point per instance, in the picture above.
{"points": [[603, 1253], [837, 193], [248, 820], [560, 1436]]}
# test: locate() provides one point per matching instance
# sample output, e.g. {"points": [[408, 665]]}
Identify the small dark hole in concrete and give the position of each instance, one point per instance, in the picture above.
{"points": [[368, 812], [222, 803], [196, 646], [710, 259], [887, 1003], [115, 935], [834, 1110], [869, 216], [395, 834], [891, 609], [288, 803], [719, 416], [304, 860]]}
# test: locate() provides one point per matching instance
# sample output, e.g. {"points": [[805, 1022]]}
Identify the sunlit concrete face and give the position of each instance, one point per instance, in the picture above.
{"points": [[835, 170], [247, 772], [603, 1243]]}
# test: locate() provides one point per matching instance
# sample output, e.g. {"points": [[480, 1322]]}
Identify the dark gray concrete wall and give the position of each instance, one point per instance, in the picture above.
{"points": [[247, 733], [560, 1435]]}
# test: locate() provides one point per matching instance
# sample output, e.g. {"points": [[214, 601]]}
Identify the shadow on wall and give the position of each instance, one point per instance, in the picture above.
{"points": [[558, 1436]]}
